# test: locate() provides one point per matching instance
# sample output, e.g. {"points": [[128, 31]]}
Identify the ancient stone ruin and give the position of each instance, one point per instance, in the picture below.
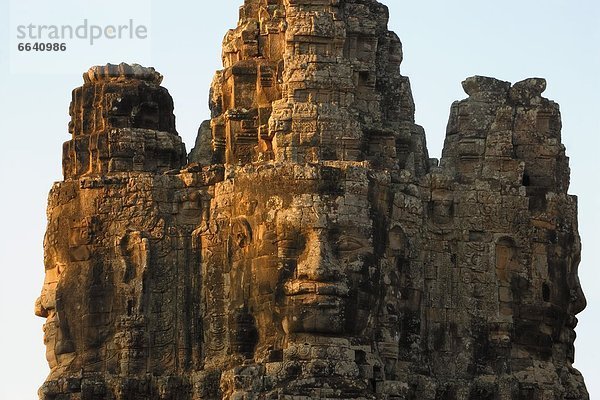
{"points": [[308, 247]]}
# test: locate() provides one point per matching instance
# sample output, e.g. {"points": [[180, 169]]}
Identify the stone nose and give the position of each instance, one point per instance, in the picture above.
{"points": [[317, 263], [578, 302]]}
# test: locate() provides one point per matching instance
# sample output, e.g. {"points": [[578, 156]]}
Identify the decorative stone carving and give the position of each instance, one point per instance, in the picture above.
{"points": [[310, 249]]}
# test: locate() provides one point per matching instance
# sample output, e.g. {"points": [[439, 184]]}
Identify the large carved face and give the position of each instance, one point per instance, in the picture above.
{"points": [[302, 253], [329, 271], [78, 296], [576, 301], [45, 306], [545, 296], [562, 295], [65, 251]]}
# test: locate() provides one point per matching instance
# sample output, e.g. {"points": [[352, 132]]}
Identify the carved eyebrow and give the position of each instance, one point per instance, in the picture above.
{"points": [[290, 236]]}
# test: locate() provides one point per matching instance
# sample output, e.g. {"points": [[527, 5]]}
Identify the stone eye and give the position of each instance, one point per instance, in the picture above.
{"points": [[347, 244], [288, 244], [291, 246]]}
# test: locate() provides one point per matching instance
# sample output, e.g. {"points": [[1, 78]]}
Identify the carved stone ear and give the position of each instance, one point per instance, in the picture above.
{"points": [[241, 232], [506, 256], [133, 247], [398, 243]]}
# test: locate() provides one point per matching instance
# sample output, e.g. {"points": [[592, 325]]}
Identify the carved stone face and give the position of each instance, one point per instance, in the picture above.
{"points": [[562, 295], [49, 305], [45, 306], [77, 286], [328, 260], [302, 255], [544, 306]]}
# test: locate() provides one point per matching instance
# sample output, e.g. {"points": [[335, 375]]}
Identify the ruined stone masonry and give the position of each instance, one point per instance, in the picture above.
{"points": [[308, 247]]}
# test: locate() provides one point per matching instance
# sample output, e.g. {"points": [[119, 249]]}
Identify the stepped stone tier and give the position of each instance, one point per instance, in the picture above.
{"points": [[308, 248]]}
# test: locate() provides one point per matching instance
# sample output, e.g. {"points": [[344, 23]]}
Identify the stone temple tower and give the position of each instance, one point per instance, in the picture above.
{"points": [[308, 247]]}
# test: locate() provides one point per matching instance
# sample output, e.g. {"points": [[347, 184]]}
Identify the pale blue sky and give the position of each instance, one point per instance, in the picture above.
{"points": [[444, 42]]}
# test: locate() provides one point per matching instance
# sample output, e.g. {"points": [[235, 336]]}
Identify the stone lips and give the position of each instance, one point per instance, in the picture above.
{"points": [[310, 248]]}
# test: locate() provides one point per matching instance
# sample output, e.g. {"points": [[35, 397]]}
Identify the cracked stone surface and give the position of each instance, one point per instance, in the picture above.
{"points": [[308, 247]]}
